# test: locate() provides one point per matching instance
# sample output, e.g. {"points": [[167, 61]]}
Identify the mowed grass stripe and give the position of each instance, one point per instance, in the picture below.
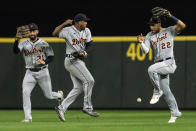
{"points": [[114, 120]]}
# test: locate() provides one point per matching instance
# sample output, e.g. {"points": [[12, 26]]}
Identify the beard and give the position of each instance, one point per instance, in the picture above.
{"points": [[82, 27], [33, 37], [155, 31]]}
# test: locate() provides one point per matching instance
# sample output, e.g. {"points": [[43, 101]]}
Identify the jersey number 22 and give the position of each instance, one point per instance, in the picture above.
{"points": [[166, 45]]}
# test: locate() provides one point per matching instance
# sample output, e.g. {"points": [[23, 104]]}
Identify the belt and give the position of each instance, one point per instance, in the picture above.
{"points": [[164, 59], [37, 69], [69, 55]]}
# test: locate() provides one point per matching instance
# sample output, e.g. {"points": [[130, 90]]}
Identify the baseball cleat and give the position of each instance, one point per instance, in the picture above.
{"points": [[173, 118], [60, 99], [155, 98], [90, 112], [26, 120], [60, 113]]}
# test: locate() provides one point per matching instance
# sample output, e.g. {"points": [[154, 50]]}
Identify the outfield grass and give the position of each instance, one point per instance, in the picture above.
{"points": [[122, 120]]}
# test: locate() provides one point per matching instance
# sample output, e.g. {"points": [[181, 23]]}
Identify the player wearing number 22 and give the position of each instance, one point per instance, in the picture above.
{"points": [[161, 41], [37, 54]]}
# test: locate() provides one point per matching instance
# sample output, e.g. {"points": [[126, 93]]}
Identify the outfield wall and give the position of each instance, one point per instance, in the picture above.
{"points": [[119, 69]]}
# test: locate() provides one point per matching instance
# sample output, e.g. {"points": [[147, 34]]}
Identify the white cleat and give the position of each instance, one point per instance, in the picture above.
{"points": [[155, 98], [60, 99], [26, 121], [90, 112], [60, 114], [173, 118]]}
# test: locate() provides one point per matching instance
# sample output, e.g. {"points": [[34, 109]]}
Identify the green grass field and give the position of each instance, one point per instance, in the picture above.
{"points": [[109, 120]]}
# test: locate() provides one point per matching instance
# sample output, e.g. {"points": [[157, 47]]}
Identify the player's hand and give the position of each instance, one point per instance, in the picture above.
{"points": [[140, 38], [18, 36], [169, 14], [40, 61], [68, 22], [83, 53]]}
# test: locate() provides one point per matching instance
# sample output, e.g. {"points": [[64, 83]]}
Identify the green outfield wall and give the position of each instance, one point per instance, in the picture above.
{"points": [[118, 66]]}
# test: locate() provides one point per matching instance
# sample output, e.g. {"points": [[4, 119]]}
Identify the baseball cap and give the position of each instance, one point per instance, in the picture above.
{"points": [[154, 20], [81, 17], [33, 26]]}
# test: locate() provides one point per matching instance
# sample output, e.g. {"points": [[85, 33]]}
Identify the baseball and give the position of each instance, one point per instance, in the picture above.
{"points": [[139, 99]]}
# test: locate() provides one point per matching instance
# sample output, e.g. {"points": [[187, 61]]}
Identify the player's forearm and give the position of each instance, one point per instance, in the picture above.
{"points": [[49, 59], [58, 29], [89, 46], [144, 48], [179, 24], [16, 50]]}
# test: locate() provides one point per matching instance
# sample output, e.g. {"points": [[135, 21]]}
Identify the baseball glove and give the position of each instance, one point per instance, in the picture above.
{"points": [[22, 31], [158, 12], [80, 55]]}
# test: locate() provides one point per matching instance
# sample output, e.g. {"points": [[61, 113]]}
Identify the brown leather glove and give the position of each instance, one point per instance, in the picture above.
{"points": [[158, 12], [22, 32]]}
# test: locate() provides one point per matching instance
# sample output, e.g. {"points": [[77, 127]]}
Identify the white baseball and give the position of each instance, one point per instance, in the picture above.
{"points": [[139, 99]]}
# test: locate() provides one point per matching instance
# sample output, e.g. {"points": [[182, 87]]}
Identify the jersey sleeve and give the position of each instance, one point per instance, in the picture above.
{"points": [[145, 45], [88, 35], [172, 30], [48, 50], [63, 33]]}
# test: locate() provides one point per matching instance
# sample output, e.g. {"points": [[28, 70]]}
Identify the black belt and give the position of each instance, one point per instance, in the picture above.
{"points": [[37, 69], [164, 59], [69, 55]]}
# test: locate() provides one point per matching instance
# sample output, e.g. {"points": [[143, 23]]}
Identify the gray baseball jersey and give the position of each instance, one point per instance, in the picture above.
{"points": [[161, 43], [80, 75], [32, 51], [75, 40]]}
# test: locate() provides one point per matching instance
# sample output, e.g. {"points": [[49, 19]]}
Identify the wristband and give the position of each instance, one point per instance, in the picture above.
{"points": [[174, 19]]}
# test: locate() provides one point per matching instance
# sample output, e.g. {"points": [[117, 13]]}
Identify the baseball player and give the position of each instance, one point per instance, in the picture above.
{"points": [[78, 43], [37, 55], [161, 40]]}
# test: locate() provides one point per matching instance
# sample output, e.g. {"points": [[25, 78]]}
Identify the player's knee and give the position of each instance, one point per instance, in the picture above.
{"points": [[26, 92], [150, 70], [91, 82], [79, 90]]}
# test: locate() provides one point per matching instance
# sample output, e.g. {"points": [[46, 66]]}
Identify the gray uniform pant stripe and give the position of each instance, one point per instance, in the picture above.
{"points": [[86, 81]]}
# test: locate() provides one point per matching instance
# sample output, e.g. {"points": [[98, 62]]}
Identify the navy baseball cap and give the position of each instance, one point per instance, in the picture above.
{"points": [[81, 17], [154, 20], [33, 26]]}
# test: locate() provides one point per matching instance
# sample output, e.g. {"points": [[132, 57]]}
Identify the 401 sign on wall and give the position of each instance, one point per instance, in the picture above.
{"points": [[135, 53]]}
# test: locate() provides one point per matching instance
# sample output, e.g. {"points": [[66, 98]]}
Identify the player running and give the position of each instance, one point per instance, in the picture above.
{"points": [[78, 43], [37, 54], [161, 41]]}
